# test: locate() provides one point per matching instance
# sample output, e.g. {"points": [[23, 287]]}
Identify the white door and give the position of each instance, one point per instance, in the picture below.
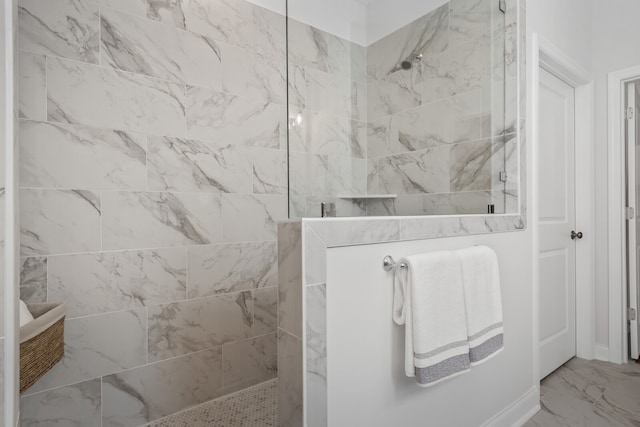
{"points": [[633, 187], [556, 221]]}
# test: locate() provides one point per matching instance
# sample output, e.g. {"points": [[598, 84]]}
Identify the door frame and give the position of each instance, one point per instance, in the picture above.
{"points": [[618, 342], [546, 55]]}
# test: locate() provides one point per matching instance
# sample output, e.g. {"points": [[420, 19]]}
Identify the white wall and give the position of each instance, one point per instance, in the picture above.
{"points": [[365, 348], [385, 17], [343, 18], [362, 22]]}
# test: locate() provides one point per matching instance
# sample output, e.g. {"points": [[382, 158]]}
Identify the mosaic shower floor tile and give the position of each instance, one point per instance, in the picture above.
{"points": [[253, 407]]}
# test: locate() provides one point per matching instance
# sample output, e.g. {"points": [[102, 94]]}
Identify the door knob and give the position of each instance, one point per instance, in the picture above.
{"points": [[577, 235]]}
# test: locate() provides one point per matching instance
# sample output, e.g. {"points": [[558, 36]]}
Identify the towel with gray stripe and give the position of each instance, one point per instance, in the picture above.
{"points": [[450, 304]]}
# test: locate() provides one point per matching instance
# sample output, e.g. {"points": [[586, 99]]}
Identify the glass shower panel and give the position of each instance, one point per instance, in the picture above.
{"points": [[390, 114]]}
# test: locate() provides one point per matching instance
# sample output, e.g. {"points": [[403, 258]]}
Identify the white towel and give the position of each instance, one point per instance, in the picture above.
{"points": [[483, 302], [25, 314], [429, 301]]}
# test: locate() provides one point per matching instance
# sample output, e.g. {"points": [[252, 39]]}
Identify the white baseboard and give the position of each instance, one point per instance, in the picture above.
{"points": [[602, 352], [518, 412]]}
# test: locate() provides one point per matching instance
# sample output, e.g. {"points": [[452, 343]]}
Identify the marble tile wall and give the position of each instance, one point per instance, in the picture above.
{"points": [[153, 171], [327, 118], [436, 132]]}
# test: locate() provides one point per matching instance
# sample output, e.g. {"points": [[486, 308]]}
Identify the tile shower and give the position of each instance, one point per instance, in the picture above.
{"points": [[153, 171], [376, 139]]}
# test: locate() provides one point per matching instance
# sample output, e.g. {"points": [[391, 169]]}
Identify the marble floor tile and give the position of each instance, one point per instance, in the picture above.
{"points": [[589, 393]]}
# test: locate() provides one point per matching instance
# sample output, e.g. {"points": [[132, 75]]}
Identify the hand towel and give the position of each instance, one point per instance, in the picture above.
{"points": [[483, 302], [25, 314], [429, 301]]}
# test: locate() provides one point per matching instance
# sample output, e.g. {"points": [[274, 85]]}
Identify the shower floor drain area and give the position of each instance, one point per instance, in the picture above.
{"points": [[254, 407]]}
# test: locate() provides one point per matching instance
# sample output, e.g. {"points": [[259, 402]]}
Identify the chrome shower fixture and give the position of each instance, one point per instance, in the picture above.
{"points": [[410, 60]]}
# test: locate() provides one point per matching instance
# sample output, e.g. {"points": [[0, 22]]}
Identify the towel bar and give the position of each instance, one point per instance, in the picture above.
{"points": [[388, 263]]}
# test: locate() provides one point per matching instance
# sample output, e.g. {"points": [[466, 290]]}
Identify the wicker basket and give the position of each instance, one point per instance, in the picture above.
{"points": [[41, 342]]}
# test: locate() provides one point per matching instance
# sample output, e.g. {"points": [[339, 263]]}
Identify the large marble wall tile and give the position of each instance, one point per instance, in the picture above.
{"points": [[98, 345], [265, 311], [269, 171], [297, 86], [428, 35], [134, 7], [225, 118], [344, 207], [111, 281], [329, 93], [437, 204], [270, 32], [76, 405], [101, 97], [397, 92], [327, 134], [471, 166], [33, 279], [142, 46], [189, 326], [313, 48], [290, 277], [135, 397], [378, 134], [251, 217], [316, 355], [62, 156], [346, 176], [221, 269], [469, 20], [400, 206], [308, 174], [457, 70], [32, 88], [290, 380], [456, 119], [194, 166], [66, 28], [253, 74], [146, 220], [471, 203], [315, 267], [250, 362], [425, 171], [59, 221], [223, 20], [346, 233], [431, 228]]}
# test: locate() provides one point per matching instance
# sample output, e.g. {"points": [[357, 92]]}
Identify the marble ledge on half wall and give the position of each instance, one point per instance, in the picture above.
{"points": [[336, 232]]}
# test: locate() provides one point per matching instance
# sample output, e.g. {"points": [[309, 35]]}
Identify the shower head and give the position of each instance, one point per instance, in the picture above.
{"points": [[410, 60]]}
